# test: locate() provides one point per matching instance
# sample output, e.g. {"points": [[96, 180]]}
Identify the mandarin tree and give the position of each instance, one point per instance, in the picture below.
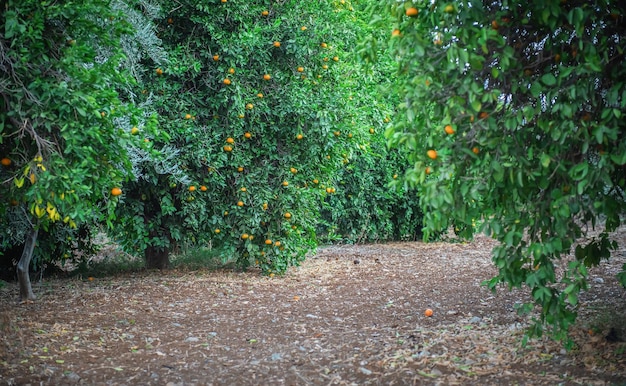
{"points": [[363, 208], [534, 96], [253, 121], [61, 122]]}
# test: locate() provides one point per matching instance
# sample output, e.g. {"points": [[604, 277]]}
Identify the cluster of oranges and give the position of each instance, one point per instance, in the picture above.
{"points": [[450, 130]]}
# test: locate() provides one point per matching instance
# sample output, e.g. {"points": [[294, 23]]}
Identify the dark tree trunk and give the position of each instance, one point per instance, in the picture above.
{"points": [[23, 278], [157, 257]]}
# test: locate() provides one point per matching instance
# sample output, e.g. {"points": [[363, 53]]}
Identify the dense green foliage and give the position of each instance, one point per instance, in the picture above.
{"points": [[250, 102], [159, 121], [61, 142], [534, 97]]}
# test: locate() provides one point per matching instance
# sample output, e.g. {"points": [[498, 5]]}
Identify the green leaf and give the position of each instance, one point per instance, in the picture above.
{"points": [[548, 79]]}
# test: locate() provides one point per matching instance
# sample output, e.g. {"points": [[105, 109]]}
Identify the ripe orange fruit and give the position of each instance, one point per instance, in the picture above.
{"points": [[216, 57], [268, 242], [396, 32], [428, 312], [316, 181], [299, 137], [228, 148], [337, 133], [372, 131], [247, 135], [277, 244], [325, 66], [249, 106], [336, 58], [241, 116], [217, 230], [243, 189], [159, 71], [300, 69], [5, 161], [285, 183], [187, 116], [134, 131], [475, 150], [324, 45], [203, 188], [231, 70], [260, 95], [227, 81], [329, 190], [276, 44], [265, 206], [265, 13], [287, 215], [428, 171], [432, 154], [240, 203], [293, 170], [245, 236], [267, 77], [230, 140], [116, 191], [303, 28], [449, 129], [412, 12], [483, 115], [192, 188], [240, 169]]}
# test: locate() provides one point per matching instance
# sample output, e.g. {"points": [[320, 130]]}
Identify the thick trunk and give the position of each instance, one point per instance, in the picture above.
{"points": [[23, 278], [157, 257]]}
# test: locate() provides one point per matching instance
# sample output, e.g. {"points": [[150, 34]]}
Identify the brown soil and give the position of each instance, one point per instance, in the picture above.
{"points": [[351, 315]]}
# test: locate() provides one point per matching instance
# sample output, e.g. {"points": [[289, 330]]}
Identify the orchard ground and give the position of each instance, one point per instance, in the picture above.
{"points": [[350, 315]]}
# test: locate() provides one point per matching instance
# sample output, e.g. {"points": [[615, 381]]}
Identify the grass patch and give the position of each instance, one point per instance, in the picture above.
{"points": [[202, 258], [109, 265]]}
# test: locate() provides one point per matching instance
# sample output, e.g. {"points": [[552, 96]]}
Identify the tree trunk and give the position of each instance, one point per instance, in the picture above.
{"points": [[157, 257], [23, 278]]}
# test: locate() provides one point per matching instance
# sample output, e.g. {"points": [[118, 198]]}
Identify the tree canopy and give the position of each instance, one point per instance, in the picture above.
{"points": [[514, 116]]}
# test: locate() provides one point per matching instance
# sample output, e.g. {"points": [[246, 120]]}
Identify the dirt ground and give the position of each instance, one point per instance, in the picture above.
{"points": [[351, 315]]}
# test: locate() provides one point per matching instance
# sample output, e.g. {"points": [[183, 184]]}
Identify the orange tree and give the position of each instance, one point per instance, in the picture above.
{"points": [[253, 101], [63, 128], [363, 208], [516, 110]]}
